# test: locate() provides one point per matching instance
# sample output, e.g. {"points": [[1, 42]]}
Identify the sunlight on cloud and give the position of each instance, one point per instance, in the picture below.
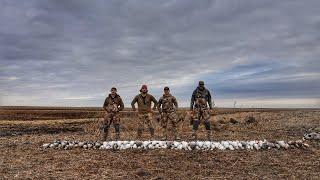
{"points": [[10, 78]]}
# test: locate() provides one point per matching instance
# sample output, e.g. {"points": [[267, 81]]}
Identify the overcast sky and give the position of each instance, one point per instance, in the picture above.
{"points": [[260, 53]]}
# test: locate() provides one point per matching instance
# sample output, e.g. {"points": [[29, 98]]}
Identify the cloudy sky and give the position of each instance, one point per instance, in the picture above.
{"points": [[262, 53]]}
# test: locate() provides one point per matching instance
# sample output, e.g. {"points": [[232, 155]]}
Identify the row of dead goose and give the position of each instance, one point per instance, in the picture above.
{"points": [[178, 145]]}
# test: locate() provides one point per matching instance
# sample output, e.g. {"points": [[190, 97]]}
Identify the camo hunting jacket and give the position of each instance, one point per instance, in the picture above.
{"points": [[113, 104], [144, 103], [167, 103], [201, 99]]}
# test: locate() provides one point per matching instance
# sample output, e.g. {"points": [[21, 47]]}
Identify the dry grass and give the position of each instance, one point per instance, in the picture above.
{"points": [[21, 155]]}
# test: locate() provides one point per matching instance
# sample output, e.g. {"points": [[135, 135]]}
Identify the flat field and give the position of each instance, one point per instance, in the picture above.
{"points": [[24, 129]]}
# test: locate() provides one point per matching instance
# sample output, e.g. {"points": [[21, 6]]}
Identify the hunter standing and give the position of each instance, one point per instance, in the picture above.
{"points": [[144, 100], [167, 106], [200, 100], [112, 105]]}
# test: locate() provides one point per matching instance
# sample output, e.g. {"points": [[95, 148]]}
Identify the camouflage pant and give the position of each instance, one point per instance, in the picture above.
{"points": [[145, 118], [172, 118], [112, 117], [169, 117], [201, 116]]}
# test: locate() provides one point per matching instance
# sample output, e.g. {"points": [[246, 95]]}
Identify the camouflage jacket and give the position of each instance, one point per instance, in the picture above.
{"points": [[201, 99], [113, 104], [167, 103], [144, 103]]}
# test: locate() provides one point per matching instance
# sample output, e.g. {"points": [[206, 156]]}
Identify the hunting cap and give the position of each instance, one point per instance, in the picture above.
{"points": [[166, 88], [114, 88], [201, 83], [144, 87]]}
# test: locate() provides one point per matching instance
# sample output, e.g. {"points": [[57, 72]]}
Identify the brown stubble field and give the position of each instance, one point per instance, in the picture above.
{"points": [[24, 129]]}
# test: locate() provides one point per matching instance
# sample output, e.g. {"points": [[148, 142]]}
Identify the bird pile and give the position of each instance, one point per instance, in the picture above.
{"points": [[178, 145]]}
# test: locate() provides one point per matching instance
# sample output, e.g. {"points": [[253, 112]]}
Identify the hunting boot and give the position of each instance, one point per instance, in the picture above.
{"points": [[117, 129], [139, 133], [194, 135], [117, 136], [208, 135], [176, 136], [208, 128], [195, 129], [165, 135], [151, 133], [105, 133]]}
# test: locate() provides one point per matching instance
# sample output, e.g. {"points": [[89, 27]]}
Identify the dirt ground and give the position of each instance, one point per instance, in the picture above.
{"points": [[22, 157]]}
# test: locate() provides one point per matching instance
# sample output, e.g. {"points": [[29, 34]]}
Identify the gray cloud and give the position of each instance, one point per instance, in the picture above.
{"points": [[71, 52]]}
